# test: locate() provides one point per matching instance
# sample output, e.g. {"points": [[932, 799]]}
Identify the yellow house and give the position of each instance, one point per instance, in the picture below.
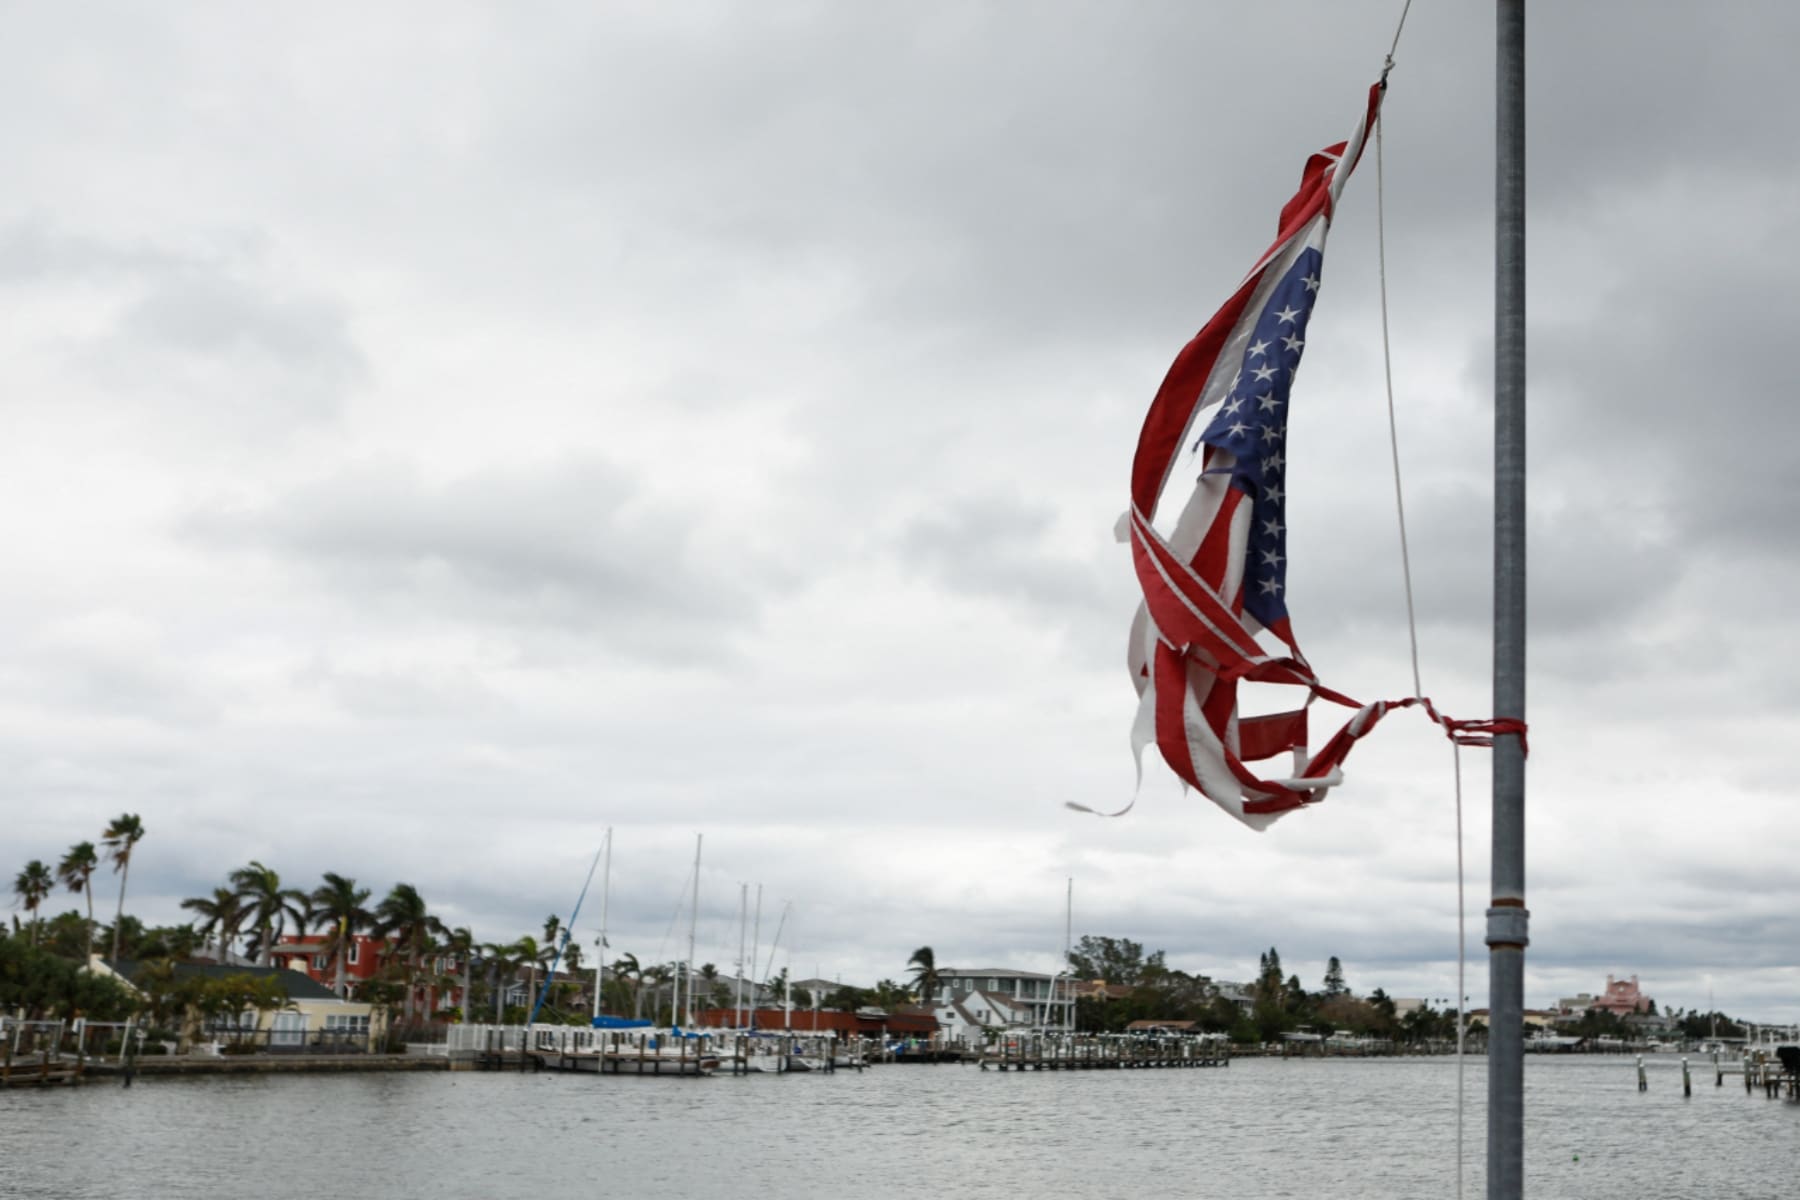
{"points": [[310, 1019]]}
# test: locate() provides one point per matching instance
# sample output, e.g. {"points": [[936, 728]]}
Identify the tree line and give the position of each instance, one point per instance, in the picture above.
{"points": [[255, 910], [1143, 987], [421, 955]]}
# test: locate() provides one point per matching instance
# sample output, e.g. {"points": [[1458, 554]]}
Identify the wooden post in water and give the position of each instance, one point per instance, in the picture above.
{"points": [[1687, 1085], [1643, 1083]]}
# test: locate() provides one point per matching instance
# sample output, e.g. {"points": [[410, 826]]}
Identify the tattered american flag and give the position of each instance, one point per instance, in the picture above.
{"points": [[1218, 576]]}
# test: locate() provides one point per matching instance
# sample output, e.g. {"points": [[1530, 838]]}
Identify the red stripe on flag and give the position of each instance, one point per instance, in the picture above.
{"points": [[1266, 736], [1212, 560], [1160, 439], [1184, 610]]}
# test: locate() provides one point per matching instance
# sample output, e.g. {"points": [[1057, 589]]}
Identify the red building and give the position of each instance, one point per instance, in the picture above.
{"points": [[1622, 997], [363, 960]]}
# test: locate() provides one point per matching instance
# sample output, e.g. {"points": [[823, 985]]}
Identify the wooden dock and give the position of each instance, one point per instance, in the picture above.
{"points": [[44, 1071], [1776, 1078], [1037, 1053]]}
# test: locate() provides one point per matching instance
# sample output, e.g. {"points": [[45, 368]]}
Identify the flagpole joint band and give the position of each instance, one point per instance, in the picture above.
{"points": [[1508, 926]]}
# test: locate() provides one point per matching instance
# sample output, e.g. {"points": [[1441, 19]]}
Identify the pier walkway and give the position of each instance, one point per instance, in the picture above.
{"points": [[1049, 1053]]}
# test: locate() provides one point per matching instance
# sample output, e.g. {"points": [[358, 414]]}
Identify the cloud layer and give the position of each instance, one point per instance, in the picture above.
{"points": [[437, 436]]}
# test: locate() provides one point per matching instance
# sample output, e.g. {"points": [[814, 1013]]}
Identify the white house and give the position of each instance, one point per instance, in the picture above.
{"points": [[972, 1015], [1011, 999]]}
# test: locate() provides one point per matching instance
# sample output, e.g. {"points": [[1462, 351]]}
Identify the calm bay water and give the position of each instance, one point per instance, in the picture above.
{"points": [[1264, 1128]]}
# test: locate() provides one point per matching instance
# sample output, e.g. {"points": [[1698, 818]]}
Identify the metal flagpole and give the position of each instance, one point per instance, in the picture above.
{"points": [[1507, 919]]}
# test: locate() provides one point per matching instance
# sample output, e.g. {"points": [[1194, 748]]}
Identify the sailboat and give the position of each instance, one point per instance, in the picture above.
{"points": [[620, 1045]]}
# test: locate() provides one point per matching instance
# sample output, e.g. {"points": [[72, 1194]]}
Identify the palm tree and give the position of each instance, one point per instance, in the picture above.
{"points": [[223, 914], [460, 943], [119, 837], [656, 976], [337, 906], [552, 929], [502, 968], [923, 965], [529, 955], [889, 994], [31, 886], [270, 905], [403, 918], [76, 872], [627, 968], [717, 994]]}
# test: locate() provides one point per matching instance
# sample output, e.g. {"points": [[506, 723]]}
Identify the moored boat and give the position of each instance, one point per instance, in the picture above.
{"points": [[625, 1048]]}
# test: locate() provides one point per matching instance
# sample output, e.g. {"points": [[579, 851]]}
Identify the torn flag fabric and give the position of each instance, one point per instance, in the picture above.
{"points": [[1212, 566]]}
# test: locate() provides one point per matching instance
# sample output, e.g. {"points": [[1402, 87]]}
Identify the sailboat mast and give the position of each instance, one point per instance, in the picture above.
{"points": [[605, 896], [737, 1014], [755, 946], [693, 923], [1507, 919], [1068, 944], [768, 967]]}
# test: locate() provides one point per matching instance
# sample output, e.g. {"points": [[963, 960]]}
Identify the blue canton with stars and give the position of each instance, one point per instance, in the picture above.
{"points": [[1251, 425]]}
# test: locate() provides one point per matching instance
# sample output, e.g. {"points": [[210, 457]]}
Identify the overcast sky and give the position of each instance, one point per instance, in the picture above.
{"points": [[434, 434]]}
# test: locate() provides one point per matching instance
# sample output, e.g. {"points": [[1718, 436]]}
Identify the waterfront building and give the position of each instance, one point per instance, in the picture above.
{"points": [[818, 989], [1241, 994], [363, 960], [1622, 997], [307, 955], [311, 1013], [970, 1016], [1012, 998]]}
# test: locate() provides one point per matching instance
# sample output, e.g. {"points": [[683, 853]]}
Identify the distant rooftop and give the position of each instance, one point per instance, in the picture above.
{"points": [[991, 972], [299, 986]]}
